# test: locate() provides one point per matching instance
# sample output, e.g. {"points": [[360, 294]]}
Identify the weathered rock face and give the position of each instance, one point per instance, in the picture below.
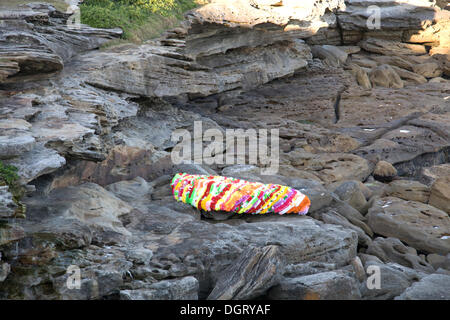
{"points": [[262, 265], [395, 278], [333, 285], [46, 41], [243, 68], [7, 204], [183, 289], [419, 225], [440, 194], [395, 15], [393, 250], [409, 190], [93, 143], [432, 287]]}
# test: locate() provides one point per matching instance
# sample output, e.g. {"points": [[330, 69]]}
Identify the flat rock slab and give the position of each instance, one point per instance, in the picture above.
{"points": [[419, 225]]}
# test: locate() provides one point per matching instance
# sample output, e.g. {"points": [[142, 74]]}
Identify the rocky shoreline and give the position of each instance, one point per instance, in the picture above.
{"points": [[364, 126]]}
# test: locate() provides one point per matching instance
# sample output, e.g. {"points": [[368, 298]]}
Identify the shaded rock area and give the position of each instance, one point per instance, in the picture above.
{"points": [[364, 131]]}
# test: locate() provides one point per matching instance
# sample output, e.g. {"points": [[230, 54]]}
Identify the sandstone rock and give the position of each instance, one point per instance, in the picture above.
{"points": [[434, 34], [431, 174], [221, 244], [332, 55], [100, 279], [350, 49], [130, 190], [409, 190], [363, 61], [428, 70], [432, 287], [179, 289], [419, 225], [391, 48], [408, 75], [8, 68], [10, 233], [46, 41], [396, 15], [37, 162], [384, 171], [261, 24], [438, 80], [378, 189], [251, 276], [439, 261], [351, 193], [334, 285], [332, 167], [361, 76], [7, 204], [385, 76], [72, 217], [426, 134], [333, 217], [14, 145], [393, 250], [394, 61], [182, 76], [440, 194], [395, 279]]}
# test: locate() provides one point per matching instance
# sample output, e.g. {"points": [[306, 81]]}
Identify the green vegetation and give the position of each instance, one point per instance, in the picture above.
{"points": [[8, 174], [139, 19], [9, 177]]}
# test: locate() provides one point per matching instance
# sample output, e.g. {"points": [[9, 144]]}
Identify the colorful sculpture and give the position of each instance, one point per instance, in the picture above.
{"points": [[217, 193]]}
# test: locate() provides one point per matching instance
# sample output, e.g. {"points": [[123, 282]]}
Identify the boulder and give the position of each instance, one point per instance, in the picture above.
{"points": [[350, 192], [331, 167], [432, 287], [421, 226], [384, 171], [428, 70], [331, 55], [361, 76], [385, 76], [395, 278]]}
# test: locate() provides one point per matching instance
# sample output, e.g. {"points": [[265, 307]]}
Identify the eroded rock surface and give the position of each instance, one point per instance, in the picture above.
{"points": [[91, 135]]}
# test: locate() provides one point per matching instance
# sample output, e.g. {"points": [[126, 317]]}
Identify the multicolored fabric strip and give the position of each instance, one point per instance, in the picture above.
{"points": [[217, 193]]}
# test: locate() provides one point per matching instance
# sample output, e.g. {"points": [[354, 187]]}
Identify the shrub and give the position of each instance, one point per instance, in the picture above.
{"points": [[134, 15], [8, 174]]}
